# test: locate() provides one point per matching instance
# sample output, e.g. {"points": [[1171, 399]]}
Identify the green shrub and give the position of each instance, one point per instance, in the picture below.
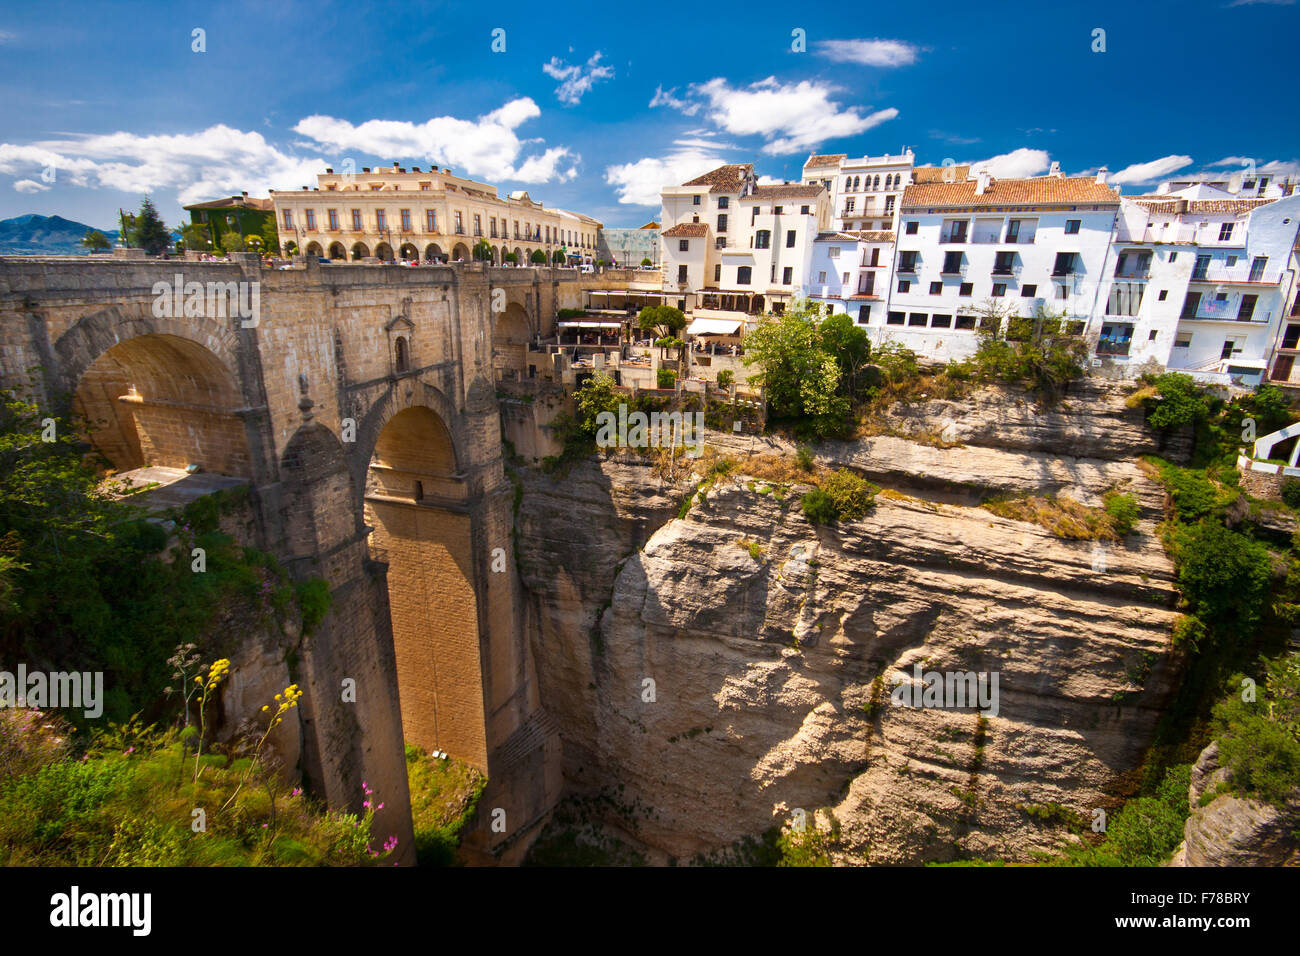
{"points": [[1181, 402], [667, 378], [1188, 632], [725, 378], [805, 456], [818, 507], [1223, 575], [1259, 742], [1291, 492], [851, 494], [1123, 510], [314, 599]]}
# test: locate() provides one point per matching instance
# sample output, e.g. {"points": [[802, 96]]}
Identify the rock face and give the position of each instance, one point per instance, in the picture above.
{"points": [[736, 665], [1232, 831]]}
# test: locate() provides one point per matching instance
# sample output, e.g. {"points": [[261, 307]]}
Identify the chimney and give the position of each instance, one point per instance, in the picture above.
{"points": [[1055, 169], [415, 169], [982, 182], [365, 169], [329, 169], [244, 193], [1101, 176]]}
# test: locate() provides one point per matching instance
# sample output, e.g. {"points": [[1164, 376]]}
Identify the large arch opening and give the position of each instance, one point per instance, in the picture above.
{"points": [[432, 252], [460, 252], [384, 252], [415, 506], [359, 251], [510, 335], [163, 401], [314, 249], [337, 251]]}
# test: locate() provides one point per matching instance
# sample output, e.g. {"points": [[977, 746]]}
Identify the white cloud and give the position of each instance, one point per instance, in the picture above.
{"points": [[1232, 161], [1148, 172], [30, 186], [1017, 164], [791, 117], [574, 82], [486, 147], [664, 97], [869, 52], [639, 183], [218, 161], [1275, 3]]}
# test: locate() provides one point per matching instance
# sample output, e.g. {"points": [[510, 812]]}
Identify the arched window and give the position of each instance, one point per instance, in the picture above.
{"points": [[856, 180], [889, 182], [877, 185], [403, 360]]}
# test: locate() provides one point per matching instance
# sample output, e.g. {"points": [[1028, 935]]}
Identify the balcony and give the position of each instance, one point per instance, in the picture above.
{"points": [[950, 271], [1137, 275], [1113, 346], [1256, 318], [985, 240], [954, 238], [1237, 275], [1006, 270], [1020, 240]]}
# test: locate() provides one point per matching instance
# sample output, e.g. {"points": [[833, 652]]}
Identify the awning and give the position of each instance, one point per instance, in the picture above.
{"points": [[715, 326], [1247, 364], [590, 325]]}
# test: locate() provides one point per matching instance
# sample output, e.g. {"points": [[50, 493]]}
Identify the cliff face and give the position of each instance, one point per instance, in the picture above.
{"points": [[738, 666]]}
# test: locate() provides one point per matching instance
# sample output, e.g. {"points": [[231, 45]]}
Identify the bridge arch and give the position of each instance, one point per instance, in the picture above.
{"points": [[417, 511], [511, 332]]}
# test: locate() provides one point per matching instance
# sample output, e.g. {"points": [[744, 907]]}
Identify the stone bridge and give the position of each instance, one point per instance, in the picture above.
{"points": [[359, 404]]}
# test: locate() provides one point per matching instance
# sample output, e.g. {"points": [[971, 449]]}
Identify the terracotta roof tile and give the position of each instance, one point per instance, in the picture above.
{"points": [[725, 179], [936, 174], [827, 159], [786, 191], [687, 230], [1040, 190], [1166, 204]]}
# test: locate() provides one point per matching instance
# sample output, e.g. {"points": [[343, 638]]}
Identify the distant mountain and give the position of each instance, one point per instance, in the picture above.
{"points": [[50, 235]]}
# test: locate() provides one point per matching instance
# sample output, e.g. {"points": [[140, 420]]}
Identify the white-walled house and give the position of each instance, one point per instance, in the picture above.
{"points": [[1198, 280], [864, 192], [850, 273], [732, 248], [964, 243]]}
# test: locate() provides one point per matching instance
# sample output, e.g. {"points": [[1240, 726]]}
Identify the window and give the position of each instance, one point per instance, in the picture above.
{"points": [[722, 222], [406, 220], [381, 219], [1013, 230], [743, 274], [695, 200], [1225, 232], [478, 225], [849, 206], [1152, 336], [821, 278], [1231, 261], [889, 205], [683, 245], [787, 275], [311, 219], [430, 220], [895, 318], [1062, 291], [492, 224], [951, 263], [1173, 256], [999, 289], [723, 202], [965, 322], [460, 226], [864, 314], [1164, 294], [803, 211], [717, 272], [333, 215], [763, 239], [965, 288], [776, 210], [754, 218], [1003, 263], [875, 256], [1291, 339], [911, 228], [1202, 267], [936, 288], [681, 273], [1257, 266], [403, 360], [907, 262], [1191, 304], [1229, 347], [772, 277], [288, 219], [845, 280], [904, 285], [789, 238], [1064, 264], [720, 242], [1027, 291], [1072, 226], [954, 230], [1183, 342], [940, 321], [918, 318], [1247, 308]]}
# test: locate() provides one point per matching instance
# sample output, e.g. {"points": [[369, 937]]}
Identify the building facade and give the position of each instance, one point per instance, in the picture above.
{"points": [[851, 273], [729, 245], [394, 213], [239, 215], [864, 192]]}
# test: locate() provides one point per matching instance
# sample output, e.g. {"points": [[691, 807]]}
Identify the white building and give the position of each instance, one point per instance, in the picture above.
{"points": [[732, 248], [864, 192], [1199, 280], [851, 272], [965, 242], [1242, 184]]}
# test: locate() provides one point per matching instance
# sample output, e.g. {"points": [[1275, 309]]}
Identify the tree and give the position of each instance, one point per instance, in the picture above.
{"points": [[800, 376], [269, 236], [1181, 402], [149, 232], [509, 257], [1038, 349], [96, 241], [538, 257], [194, 235], [664, 322], [557, 256], [850, 346], [646, 262], [482, 251], [1224, 576]]}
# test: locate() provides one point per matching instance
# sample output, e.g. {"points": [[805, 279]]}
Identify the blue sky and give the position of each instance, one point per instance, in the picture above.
{"points": [[593, 111]]}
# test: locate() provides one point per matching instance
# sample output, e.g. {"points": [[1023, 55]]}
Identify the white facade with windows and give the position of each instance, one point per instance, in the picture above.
{"points": [[864, 193], [1198, 280], [850, 272], [978, 242], [730, 246]]}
